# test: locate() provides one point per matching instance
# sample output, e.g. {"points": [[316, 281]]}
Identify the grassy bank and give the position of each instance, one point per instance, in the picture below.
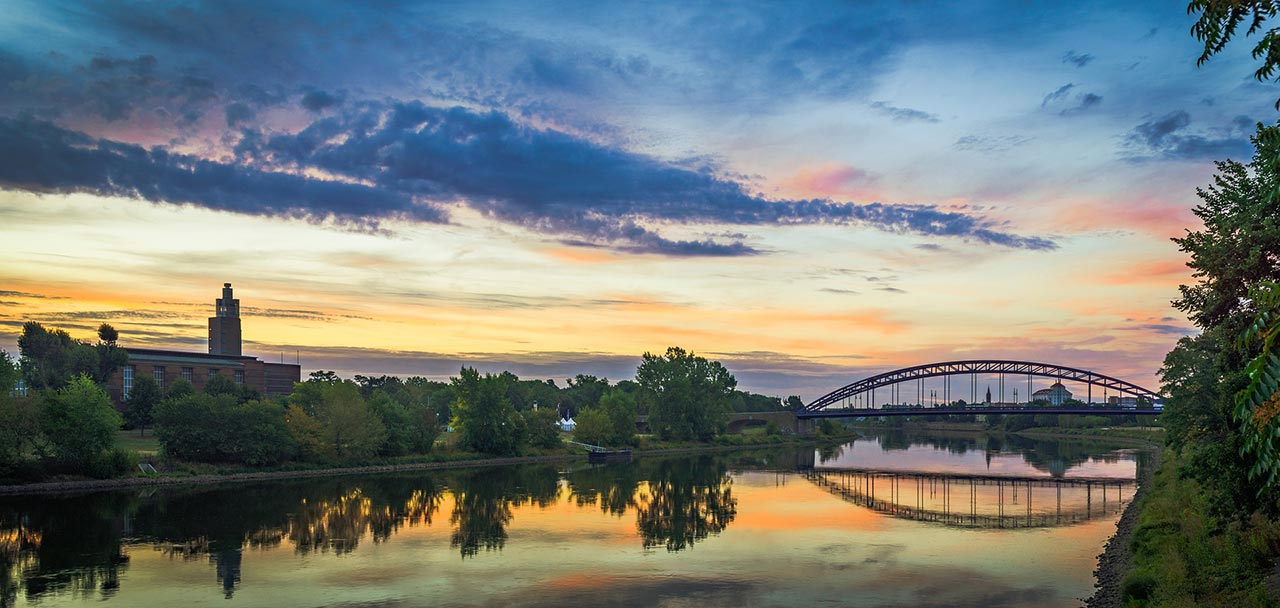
{"points": [[1183, 557], [444, 457]]}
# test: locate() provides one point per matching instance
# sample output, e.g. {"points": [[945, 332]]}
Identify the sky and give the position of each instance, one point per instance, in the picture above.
{"points": [[807, 192]]}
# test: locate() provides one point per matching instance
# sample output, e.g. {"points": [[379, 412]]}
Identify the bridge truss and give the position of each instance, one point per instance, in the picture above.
{"points": [[867, 386]]}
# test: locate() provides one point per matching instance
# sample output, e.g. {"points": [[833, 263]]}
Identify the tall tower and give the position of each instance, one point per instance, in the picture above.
{"points": [[224, 328]]}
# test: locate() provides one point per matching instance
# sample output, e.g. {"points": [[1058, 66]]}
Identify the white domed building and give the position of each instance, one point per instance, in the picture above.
{"points": [[1056, 394]]}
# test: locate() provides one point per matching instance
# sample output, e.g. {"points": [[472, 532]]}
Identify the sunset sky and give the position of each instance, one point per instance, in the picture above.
{"points": [[808, 192]]}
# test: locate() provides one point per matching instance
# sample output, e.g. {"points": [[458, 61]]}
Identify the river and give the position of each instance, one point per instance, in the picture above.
{"points": [[894, 519]]}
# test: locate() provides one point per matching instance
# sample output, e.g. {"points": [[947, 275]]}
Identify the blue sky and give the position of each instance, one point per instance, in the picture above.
{"points": [[810, 191]]}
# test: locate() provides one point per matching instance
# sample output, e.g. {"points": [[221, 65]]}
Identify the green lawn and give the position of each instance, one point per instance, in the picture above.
{"points": [[145, 445]]}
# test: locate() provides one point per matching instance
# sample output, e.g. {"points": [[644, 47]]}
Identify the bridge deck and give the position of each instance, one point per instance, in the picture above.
{"points": [[949, 410]]}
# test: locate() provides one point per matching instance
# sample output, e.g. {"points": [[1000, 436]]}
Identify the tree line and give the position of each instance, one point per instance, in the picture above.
{"points": [[65, 423]]}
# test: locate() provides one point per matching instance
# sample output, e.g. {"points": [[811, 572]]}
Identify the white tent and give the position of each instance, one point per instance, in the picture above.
{"points": [[567, 424]]}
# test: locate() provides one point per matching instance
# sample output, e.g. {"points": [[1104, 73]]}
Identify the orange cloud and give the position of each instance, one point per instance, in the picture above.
{"points": [[581, 256], [831, 180]]}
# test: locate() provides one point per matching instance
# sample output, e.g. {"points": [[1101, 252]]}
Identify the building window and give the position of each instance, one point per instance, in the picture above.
{"points": [[239, 377], [158, 372], [187, 373], [213, 371], [128, 381]]}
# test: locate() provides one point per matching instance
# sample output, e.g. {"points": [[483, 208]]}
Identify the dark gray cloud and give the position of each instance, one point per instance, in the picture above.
{"points": [[904, 114], [1077, 59], [1162, 328], [25, 294], [557, 183], [38, 156], [317, 101], [1170, 137]]}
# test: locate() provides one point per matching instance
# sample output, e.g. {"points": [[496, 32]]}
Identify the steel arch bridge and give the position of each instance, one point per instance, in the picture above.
{"points": [[868, 386]]}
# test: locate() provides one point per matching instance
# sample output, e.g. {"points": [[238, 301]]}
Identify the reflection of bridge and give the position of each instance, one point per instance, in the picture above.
{"points": [[859, 398], [978, 501]]}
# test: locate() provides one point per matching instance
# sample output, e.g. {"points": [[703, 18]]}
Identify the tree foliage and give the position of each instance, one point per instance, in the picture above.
{"points": [[217, 428], [1257, 408], [484, 416], [349, 428], [687, 395], [1220, 21], [78, 423], [143, 398]]}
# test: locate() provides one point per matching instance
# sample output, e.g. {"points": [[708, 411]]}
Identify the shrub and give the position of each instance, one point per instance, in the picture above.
{"points": [[78, 423]]}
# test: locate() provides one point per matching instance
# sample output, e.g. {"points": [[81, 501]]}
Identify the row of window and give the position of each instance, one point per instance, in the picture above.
{"points": [[158, 372]]}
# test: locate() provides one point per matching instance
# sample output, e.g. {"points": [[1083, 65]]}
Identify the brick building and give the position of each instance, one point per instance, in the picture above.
{"points": [[224, 357]]}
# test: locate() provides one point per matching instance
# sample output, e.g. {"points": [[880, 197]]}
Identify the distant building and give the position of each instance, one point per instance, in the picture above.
{"points": [[1116, 401], [224, 358], [1056, 394]]}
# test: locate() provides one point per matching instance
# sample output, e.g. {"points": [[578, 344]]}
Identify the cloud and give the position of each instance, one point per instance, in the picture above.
{"points": [[1057, 94], [24, 294], [1077, 59], [904, 114], [990, 144], [1084, 101], [38, 156], [556, 183], [1170, 137], [318, 101]]}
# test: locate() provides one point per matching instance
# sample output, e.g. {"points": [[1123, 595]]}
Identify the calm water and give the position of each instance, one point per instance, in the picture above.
{"points": [[891, 520]]}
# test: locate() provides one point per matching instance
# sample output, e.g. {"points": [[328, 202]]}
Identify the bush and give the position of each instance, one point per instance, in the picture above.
{"points": [[116, 462], [209, 428], [593, 427], [1137, 585]]}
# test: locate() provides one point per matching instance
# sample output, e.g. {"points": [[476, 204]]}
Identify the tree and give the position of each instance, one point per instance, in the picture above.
{"points": [[395, 419], [216, 428], [593, 427], [220, 384], [1219, 21], [349, 429], [78, 423], [485, 419], [543, 431], [9, 374], [1236, 252], [110, 356], [179, 388], [687, 395], [50, 358], [794, 403], [620, 408], [143, 397]]}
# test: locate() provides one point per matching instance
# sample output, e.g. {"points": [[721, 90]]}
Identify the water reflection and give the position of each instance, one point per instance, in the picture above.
{"points": [[78, 547]]}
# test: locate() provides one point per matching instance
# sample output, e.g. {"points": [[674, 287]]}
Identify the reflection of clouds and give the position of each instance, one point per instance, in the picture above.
{"points": [[872, 454], [954, 587]]}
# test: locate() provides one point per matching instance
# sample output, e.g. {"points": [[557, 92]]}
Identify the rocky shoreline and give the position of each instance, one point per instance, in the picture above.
{"points": [[1116, 558]]}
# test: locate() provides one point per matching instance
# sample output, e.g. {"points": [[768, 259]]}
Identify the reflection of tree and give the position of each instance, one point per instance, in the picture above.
{"points": [[312, 515], [483, 502], [53, 545], [684, 501], [611, 486]]}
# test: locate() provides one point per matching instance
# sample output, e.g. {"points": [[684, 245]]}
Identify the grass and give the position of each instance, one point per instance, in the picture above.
{"points": [[1184, 558], [145, 445]]}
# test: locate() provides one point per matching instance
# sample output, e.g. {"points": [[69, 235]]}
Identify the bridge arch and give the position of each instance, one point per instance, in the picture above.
{"points": [[981, 366]]}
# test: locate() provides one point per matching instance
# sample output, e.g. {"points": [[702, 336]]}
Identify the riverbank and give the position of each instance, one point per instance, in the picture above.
{"points": [[1116, 560], [479, 460]]}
